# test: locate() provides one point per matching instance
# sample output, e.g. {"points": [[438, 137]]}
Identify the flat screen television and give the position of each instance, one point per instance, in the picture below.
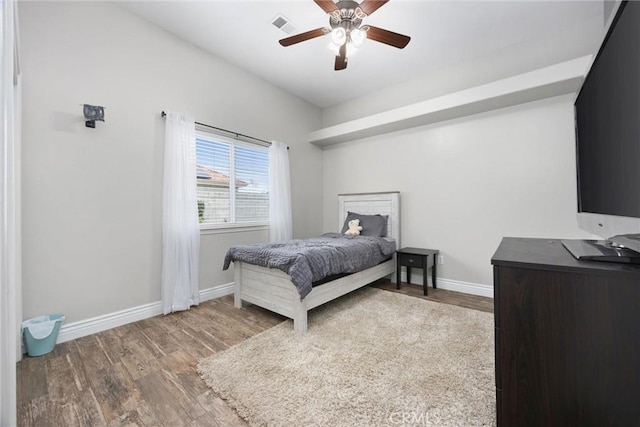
{"points": [[607, 123]]}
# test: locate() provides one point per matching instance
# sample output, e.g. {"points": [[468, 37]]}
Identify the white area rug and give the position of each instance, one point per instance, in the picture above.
{"points": [[371, 358]]}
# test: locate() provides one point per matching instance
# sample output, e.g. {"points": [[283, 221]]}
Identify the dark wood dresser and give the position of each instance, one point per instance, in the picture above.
{"points": [[567, 337]]}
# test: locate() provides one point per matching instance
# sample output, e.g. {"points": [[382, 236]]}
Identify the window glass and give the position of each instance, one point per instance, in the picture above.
{"points": [[233, 182]]}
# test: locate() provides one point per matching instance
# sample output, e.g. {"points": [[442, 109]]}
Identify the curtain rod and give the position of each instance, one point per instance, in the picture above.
{"points": [[229, 131]]}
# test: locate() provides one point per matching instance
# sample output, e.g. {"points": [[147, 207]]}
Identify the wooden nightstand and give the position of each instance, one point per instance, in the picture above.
{"points": [[416, 257]]}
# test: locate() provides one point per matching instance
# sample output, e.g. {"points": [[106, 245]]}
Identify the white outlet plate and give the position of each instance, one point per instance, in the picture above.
{"points": [[440, 259]]}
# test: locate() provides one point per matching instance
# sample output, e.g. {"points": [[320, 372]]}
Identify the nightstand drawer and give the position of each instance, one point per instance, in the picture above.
{"points": [[410, 260]]}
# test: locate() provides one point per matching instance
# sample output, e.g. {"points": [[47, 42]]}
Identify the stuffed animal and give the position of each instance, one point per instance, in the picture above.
{"points": [[354, 228]]}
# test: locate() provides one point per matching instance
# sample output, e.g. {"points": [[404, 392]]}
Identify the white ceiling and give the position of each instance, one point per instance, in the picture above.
{"points": [[443, 34]]}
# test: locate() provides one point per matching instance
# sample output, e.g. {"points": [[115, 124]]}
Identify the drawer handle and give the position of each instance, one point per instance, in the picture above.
{"points": [[410, 260]]}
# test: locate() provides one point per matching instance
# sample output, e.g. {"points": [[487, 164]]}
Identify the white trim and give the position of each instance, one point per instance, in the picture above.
{"points": [[451, 285], [466, 287], [105, 322], [10, 216], [93, 325], [216, 292], [559, 79]]}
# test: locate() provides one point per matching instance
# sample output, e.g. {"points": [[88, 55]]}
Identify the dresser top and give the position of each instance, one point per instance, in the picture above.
{"points": [[551, 255]]}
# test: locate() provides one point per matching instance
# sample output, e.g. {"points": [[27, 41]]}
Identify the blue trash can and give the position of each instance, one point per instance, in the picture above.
{"points": [[41, 333]]}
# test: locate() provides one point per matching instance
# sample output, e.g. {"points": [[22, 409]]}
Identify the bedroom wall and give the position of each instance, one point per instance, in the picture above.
{"points": [[466, 183], [92, 197]]}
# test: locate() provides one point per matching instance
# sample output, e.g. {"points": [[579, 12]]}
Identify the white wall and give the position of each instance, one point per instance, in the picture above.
{"points": [[92, 197], [466, 183]]}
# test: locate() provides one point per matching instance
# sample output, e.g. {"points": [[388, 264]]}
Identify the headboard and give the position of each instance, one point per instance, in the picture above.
{"points": [[387, 203]]}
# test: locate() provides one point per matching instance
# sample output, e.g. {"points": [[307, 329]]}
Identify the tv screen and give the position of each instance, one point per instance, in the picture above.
{"points": [[607, 112]]}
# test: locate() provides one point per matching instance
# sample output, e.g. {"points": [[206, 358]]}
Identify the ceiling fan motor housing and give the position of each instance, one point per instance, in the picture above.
{"points": [[348, 17], [348, 12]]}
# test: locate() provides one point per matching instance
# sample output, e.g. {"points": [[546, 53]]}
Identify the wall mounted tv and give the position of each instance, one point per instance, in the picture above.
{"points": [[607, 120]]}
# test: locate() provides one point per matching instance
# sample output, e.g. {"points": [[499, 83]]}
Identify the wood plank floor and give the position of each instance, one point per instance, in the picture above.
{"points": [[440, 295], [144, 373]]}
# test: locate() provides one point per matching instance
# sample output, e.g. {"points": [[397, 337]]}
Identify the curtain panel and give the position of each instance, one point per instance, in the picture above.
{"points": [[180, 228], [280, 218]]}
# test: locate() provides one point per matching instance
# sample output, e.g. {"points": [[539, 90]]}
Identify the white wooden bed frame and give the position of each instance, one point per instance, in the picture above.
{"points": [[272, 289]]}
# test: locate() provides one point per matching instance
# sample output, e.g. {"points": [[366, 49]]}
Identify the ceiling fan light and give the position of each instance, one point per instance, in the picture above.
{"points": [[351, 50], [338, 36], [357, 37], [335, 49]]}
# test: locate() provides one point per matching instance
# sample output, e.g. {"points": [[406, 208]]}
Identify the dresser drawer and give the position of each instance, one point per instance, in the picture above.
{"points": [[410, 260]]}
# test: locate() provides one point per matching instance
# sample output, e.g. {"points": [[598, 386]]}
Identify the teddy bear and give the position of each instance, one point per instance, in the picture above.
{"points": [[354, 228]]}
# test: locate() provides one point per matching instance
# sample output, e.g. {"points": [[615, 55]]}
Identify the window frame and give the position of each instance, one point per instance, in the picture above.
{"points": [[209, 228]]}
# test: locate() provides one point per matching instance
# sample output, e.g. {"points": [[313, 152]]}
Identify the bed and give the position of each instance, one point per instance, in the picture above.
{"points": [[272, 289]]}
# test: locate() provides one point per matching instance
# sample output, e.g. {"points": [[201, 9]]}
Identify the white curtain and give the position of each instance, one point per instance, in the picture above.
{"points": [[10, 236], [280, 222], [180, 228]]}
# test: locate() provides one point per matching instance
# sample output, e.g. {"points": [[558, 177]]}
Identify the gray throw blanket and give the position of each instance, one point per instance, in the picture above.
{"points": [[310, 260]]}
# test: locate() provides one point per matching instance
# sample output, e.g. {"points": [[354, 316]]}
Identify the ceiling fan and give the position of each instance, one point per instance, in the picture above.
{"points": [[346, 29]]}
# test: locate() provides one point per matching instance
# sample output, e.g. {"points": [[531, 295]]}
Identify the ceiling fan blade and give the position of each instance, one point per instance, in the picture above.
{"points": [[288, 41], [341, 59], [327, 5], [370, 6], [387, 37]]}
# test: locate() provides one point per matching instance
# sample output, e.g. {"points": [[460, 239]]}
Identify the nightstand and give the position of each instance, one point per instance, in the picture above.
{"points": [[417, 257]]}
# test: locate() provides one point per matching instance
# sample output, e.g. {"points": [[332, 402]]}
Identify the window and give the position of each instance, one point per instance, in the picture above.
{"points": [[233, 182]]}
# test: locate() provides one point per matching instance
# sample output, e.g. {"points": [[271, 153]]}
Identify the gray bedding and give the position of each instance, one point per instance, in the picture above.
{"points": [[310, 260]]}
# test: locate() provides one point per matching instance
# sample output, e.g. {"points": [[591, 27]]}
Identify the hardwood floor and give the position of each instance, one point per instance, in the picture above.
{"points": [[144, 373], [440, 295]]}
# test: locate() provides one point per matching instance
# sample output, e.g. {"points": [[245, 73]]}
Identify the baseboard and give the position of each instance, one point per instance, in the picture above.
{"points": [[216, 292], [466, 287], [93, 325], [454, 285]]}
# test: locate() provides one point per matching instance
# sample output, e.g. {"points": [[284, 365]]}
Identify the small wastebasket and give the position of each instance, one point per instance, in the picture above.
{"points": [[41, 333]]}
